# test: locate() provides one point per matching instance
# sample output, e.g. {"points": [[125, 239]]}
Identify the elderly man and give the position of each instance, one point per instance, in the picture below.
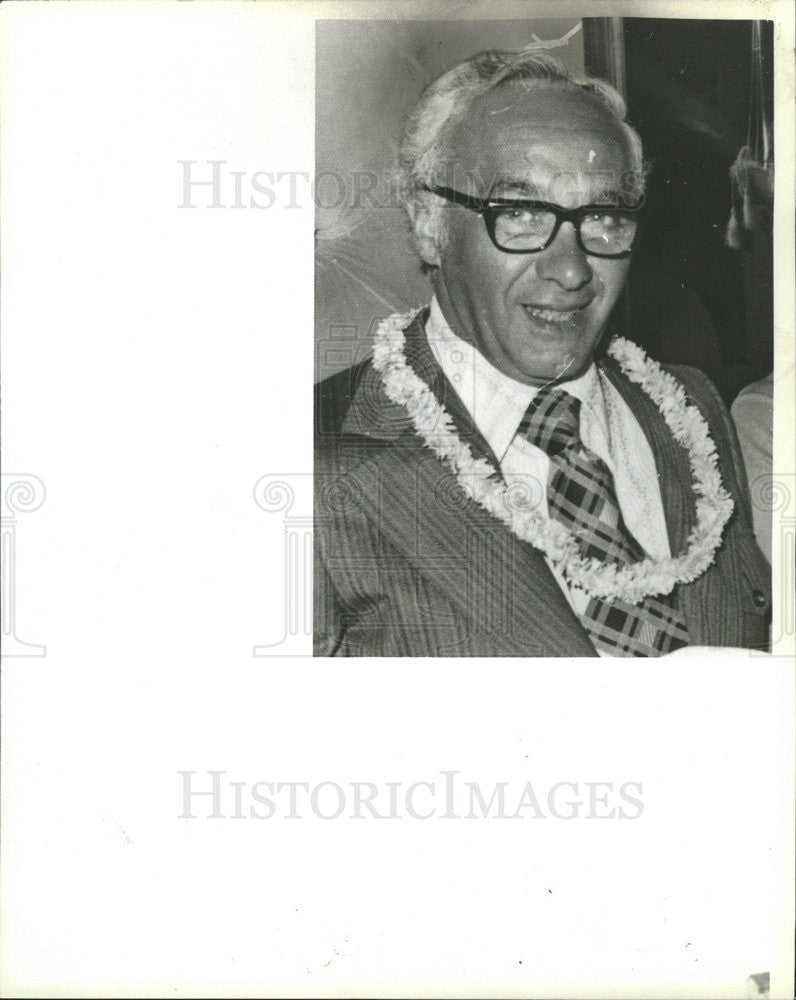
{"points": [[500, 478]]}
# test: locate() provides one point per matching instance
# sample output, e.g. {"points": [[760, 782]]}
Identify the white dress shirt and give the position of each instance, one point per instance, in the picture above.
{"points": [[498, 403]]}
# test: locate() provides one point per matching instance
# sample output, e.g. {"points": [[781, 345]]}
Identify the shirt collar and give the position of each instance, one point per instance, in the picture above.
{"points": [[496, 402]]}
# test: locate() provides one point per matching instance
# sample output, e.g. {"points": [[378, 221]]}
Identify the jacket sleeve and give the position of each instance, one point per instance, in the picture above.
{"points": [[328, 626]]}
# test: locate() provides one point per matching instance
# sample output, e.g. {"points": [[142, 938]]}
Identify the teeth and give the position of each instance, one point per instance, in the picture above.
{"points": [[552, 315]]}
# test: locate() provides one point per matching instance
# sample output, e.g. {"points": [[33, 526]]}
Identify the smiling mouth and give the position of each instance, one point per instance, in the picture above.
{"points": [[553, 315]]}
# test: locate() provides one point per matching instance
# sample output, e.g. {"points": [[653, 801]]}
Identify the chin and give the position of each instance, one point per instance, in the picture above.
{"points": [[562, 370]]}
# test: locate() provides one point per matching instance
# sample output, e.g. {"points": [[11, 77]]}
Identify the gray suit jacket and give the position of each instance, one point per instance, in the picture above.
{"points": [[407, 565]]}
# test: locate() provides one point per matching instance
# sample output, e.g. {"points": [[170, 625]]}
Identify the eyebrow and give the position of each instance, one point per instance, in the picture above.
{"points": [[610, 198], [514, 184]]}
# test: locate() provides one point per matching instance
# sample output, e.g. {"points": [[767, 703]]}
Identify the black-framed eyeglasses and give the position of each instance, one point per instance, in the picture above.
{"points": [[516, 225]]}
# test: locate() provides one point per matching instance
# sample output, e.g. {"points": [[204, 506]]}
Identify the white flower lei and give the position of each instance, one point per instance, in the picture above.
{"points": [[476, 476]]}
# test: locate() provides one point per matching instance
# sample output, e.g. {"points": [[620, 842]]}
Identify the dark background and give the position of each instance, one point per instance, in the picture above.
{"points": [[691, 299]]}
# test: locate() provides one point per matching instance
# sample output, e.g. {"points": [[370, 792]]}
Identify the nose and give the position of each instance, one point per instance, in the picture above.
{"points": [[564, 262]]}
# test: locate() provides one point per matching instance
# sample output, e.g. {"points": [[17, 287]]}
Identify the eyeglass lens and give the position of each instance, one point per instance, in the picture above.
{"points": [[529, 229]]}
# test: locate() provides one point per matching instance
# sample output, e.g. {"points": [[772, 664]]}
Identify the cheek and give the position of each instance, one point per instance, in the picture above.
{"points": [[481, 280], [472, 259], [611, 278], [470, 263]]}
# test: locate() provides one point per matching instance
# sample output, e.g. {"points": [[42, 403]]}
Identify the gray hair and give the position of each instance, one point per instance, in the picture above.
{"points": [[446, 101]]}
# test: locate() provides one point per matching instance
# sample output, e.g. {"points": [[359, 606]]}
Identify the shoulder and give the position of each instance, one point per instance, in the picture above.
{"points": [[333, 398], [753, 414], [706, 397], [354, 420], [700, 390], [756, 401], [703, 394]]}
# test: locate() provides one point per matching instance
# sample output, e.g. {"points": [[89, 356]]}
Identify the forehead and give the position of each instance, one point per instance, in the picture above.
{"points": [[531, 132]]}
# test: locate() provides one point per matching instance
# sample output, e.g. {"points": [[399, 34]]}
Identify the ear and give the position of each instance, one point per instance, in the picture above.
{"points": [[426, 233]]}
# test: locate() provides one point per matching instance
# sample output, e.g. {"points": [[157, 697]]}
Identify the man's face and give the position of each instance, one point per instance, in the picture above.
{"points": [[536, 317]]}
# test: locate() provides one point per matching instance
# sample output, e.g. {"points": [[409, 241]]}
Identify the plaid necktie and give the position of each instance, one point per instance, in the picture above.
{"points": [[581, 495]]}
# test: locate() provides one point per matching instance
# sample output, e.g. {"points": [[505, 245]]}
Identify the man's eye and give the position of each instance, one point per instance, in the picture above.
{"points": [[611, 221], [525, 215]]}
